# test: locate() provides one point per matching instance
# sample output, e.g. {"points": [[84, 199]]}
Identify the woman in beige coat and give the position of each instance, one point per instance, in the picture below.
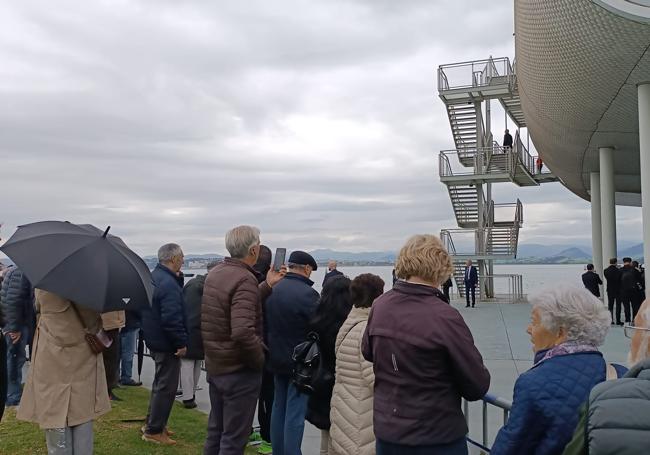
{"points": [[66, 385], [351, 432]]}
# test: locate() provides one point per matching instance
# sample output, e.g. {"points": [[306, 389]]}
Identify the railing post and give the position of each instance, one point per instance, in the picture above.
{"points": [[485, 424]]}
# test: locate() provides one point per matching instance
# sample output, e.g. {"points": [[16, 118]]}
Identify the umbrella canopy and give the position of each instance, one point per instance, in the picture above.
{"points": [[140, 353], [81, 263]]}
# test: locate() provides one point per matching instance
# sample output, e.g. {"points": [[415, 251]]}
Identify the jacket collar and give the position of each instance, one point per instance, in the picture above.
{"points": [[167, 270], [295, 276], [239, 263], [417, 289]]}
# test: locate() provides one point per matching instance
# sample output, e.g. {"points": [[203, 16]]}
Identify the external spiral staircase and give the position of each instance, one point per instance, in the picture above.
{"points": [[486, 231]]}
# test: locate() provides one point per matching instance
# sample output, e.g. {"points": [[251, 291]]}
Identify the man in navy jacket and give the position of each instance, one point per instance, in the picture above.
{"points": [[288, 312], [166, 337], [471, 280]]}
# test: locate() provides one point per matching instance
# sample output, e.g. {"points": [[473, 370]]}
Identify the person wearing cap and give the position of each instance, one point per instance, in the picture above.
{"points": [[288, 312]]}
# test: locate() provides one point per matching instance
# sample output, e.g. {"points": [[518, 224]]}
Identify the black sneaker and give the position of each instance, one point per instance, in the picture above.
{"points": [[179, 393], [131, 382], [189, 404], [114, 397]]}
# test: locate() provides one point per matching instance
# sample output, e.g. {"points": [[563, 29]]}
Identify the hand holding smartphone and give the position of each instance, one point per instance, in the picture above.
{"points": [[278, 259]]}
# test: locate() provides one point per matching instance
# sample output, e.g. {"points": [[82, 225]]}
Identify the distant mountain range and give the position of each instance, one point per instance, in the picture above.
{"points": [[528, 253]]}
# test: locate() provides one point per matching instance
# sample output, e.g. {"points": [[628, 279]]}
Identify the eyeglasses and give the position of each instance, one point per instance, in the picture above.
{"points": [[628, 330]]}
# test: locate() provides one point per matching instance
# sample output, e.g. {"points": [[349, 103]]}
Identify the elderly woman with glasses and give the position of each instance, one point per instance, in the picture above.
{"points": [[567, 326]]}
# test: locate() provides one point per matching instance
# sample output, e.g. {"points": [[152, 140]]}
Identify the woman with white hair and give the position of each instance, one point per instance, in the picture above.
{"points": [[567, 326]]}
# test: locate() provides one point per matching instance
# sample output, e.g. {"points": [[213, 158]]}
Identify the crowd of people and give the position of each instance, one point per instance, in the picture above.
{"points": [[377, 372], [625, 287]]}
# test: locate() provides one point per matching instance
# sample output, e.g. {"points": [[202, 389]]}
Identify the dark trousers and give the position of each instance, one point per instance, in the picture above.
{"points": [[458, 447], [112, 360], [637, 300], [233, 398], [445, 291], [627, 297], [469, 288], [3, 375], [614, 301], [265, 406], [163, 391]]}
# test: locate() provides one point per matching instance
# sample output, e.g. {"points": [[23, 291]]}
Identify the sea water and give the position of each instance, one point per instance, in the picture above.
{"points": [[536, 277]]}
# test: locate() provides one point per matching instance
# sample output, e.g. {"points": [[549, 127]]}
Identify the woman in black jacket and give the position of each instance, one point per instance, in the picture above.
{"points": [[333, 308]]}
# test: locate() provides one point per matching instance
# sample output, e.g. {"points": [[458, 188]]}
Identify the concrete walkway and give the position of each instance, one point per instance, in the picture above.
{"points": [[499, 332]]}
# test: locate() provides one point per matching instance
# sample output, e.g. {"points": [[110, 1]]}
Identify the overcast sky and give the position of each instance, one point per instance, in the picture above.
{"points": [[319, 122]]}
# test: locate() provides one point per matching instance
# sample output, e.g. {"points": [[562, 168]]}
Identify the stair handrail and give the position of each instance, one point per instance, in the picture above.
{"points": [[444, 166], [447, 241], [523, 155], [519, 213]]}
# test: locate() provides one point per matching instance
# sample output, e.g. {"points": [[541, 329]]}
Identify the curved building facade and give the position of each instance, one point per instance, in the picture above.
{"points": [[578, 65]]}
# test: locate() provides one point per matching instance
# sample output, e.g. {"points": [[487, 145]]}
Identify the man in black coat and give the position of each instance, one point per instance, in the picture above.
{"points": [[507, 141], [265, 403], [471, 280], [331, 271], [613, 277], [591, 280], [191, 363], [445, 288], [17, 300], [630, 277]]}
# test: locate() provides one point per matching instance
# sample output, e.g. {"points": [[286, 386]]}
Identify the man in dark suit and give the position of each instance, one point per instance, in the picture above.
{"points": [[630, 277], [613, 277], [591, 280], [445, 288], [507, 141], [331, 271], [471, 280]]}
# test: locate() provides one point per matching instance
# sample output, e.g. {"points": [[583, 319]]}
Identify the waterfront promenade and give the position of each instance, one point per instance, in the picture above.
{"points": [[499, 330]]}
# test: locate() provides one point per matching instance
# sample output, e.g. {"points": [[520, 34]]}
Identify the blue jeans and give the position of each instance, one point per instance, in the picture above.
{"points": [[127, 348], [16, 358], [287, 417], [457, 447]]}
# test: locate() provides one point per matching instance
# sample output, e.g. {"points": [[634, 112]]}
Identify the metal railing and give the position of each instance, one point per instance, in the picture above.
{"points": [[477, 73], [523, 155], [484, 243], [511, 292], [488, 400], [484, 161]]}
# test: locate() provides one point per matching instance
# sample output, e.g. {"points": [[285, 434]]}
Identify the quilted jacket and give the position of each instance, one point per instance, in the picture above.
{"points": [[546, 402], [17, 300], [351, 414], [231, 318]]}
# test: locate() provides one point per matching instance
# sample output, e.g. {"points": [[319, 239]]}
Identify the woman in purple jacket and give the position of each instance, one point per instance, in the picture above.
{"points": [[424, 358]]}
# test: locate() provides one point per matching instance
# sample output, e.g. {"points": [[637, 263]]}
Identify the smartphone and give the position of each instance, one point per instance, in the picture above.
{"points": [[278, 260]]}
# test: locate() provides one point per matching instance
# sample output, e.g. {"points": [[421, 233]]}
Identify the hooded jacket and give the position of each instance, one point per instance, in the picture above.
{"points": [[615, 420]]}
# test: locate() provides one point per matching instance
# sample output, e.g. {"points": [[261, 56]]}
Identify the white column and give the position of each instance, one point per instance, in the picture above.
{"points": [[644, 152], [596, 227], [607, 203]]}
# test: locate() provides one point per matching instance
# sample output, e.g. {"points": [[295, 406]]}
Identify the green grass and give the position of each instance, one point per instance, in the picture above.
{"points": [[117, 432]]}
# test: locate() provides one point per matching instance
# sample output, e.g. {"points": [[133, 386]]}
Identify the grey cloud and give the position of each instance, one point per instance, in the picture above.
{"points": [[318, 122]]}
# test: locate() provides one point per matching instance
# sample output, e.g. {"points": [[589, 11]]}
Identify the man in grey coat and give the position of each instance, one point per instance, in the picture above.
{"points": [[616, 418]]}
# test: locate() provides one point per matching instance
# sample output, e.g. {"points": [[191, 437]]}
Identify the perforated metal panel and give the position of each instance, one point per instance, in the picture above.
{"points": [[578, 65]]}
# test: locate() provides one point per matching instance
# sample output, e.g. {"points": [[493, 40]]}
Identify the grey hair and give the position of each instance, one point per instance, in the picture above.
{"points": [[642, 351], [578, 311], [168, 251], [240, 239]]}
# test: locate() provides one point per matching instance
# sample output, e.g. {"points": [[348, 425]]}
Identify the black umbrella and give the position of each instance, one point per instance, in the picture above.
{"points": [[140, 353], [81, 263]]}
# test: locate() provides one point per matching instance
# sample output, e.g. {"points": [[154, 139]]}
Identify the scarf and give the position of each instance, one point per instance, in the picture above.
{"points": [[568, 347]]}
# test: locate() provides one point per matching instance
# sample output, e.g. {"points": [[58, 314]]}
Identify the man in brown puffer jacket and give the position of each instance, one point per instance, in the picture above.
{"points": [[231, 327]]}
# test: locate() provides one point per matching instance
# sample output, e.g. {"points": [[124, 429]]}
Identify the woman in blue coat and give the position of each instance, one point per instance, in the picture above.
{"points": [[567, 326]]}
